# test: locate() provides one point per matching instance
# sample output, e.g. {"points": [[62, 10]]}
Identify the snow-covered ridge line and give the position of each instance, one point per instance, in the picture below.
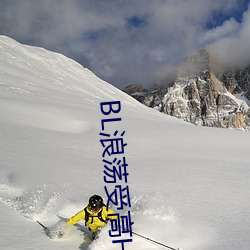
{"points": [[189, 185], [43, 67]]}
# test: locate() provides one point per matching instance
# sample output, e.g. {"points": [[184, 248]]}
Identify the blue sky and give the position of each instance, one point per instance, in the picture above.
{"points": [[218, 17], [131, 41]]}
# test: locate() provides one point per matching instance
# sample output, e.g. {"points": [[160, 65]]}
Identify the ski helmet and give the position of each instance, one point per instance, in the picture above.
{"points": [[95, 202]]}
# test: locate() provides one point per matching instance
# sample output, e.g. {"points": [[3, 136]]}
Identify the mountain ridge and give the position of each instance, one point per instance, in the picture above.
{"points": [[200, 95]]}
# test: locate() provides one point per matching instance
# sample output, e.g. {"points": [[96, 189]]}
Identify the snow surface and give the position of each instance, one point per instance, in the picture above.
{"points": [[189, 186]]}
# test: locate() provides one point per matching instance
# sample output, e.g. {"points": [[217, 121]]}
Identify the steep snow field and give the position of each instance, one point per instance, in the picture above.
{"points": [[189, 186]]}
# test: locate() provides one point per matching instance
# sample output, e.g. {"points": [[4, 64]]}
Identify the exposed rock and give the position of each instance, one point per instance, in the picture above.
{"points": [[133, 88], [198, 96], [137, 91], [237, 81]]}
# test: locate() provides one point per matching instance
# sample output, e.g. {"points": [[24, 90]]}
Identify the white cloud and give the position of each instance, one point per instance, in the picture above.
{"points": [[233, 50], [97, 32], [228, 28]]}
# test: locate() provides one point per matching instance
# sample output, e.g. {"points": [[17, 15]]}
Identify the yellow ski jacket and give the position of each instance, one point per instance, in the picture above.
{"points": [[93, 222]]}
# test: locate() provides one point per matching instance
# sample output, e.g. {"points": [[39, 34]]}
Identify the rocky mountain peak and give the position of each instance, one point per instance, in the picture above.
{"points": [[196, 64], [200, 96]]}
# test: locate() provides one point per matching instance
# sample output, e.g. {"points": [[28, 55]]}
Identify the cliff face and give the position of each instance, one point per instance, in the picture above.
{"points": [[237, 81], [201, 97]]}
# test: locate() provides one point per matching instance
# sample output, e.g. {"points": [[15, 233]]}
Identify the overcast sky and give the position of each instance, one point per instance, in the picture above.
{"points": [[131, 41]]}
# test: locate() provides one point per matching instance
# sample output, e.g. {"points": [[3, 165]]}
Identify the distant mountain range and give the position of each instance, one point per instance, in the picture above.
{"points": [[201, 94]]}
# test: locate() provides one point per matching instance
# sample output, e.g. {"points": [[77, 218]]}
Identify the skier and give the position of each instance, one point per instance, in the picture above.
{"points": [[95, 215]]}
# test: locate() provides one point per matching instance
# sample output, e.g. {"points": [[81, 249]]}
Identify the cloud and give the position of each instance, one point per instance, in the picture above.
{"points": [[228, 28], [232, 50], [124, 42]]}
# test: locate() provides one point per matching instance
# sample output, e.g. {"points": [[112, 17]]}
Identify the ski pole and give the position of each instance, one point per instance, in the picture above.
{"points": [[45, 228], [159, 243]]}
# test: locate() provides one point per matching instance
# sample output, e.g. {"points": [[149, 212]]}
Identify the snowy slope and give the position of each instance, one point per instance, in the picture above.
{"points": [[189, 186]]}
